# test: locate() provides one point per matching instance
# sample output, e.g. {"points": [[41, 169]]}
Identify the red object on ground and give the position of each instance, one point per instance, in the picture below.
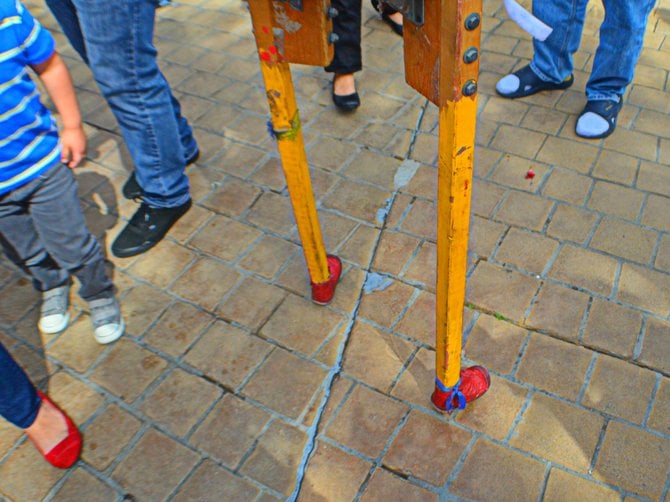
{"points": [[474, 382], [530, 174], [65, 453], [323, 293]]}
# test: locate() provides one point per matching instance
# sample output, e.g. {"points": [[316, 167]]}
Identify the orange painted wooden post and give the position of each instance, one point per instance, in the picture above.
{"points": [[442, 63], [296, 31]]}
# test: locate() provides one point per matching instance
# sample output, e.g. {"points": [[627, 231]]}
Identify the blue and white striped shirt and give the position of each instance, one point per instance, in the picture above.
{"points": [[29, 142]]}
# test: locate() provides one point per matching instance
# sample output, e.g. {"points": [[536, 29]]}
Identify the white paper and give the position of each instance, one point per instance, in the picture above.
{"points": [[527, 21]]}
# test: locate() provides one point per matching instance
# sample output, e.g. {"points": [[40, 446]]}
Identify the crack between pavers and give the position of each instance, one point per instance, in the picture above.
{"points": [[335, 371]]}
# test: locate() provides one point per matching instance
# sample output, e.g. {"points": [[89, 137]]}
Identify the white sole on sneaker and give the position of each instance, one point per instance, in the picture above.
{"points": [[109, 332], [52, 324]]}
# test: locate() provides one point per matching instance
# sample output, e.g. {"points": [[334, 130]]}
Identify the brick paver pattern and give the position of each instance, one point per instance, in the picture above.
{"points": [[215, 390]]}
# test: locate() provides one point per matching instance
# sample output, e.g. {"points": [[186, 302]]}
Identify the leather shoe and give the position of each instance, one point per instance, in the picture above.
{"points": [[346, 103], [146, 229], [132, 189], [386, 12]]}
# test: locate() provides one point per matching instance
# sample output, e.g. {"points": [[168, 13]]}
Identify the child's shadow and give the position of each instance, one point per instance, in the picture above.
{"points": [[99, 204], [100, 207]]}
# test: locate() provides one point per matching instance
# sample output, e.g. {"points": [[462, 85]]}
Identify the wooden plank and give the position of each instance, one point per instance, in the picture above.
{"points": [[434, 52], [302, 35]]}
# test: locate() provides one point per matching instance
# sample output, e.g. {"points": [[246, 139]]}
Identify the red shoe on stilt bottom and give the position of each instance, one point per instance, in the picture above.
{"points": [[474, 382], [65, 453], [323, 293]]}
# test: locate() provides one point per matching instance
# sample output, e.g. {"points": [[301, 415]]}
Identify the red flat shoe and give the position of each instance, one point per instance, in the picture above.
{"points": [[323, 293], [65, 453]]}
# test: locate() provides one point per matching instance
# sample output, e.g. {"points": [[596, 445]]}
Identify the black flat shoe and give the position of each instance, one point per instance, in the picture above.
{"points": [[132, 189], [146, 229], [386, 12], [346, 103]]}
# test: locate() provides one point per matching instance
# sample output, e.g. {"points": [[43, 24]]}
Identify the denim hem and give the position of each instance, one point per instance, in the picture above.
{"points": [[541, 75], [603, 97]]}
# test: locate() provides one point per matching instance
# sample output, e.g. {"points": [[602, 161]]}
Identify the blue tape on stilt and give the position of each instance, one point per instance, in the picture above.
{"points": [[455, 392]]}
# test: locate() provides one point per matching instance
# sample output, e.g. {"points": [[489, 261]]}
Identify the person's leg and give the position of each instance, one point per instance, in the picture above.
{"points": [[621, 37], [552, 59], [50, 430], [22, 244], [65, 13], [347, 26], [347, 57], [58, 219], [60, 224], [157, 136], [188, 142], [136, 90], [19, 402], [552, 65]]}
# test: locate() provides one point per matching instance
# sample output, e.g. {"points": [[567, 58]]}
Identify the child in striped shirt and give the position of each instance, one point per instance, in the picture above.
{"points": [[42, 227]]}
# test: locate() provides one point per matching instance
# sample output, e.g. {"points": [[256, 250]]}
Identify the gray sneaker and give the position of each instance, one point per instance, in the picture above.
{"points": [[54, 316], [108, 325]]}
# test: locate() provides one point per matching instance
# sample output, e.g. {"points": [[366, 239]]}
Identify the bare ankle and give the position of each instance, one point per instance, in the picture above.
{"points": [[344, 84]]}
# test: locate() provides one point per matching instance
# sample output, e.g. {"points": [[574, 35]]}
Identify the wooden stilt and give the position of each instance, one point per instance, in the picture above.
{"points": [[285, 126], [442, 62]]}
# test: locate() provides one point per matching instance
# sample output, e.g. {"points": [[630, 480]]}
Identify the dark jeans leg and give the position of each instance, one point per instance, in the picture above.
{"points": [[19, 402], [347, 25], [28, 253]]}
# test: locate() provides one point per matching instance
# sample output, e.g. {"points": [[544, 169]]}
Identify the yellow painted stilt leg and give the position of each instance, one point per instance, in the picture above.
{"points": [[454, 189], [458, 115], [286, 127], [442, 63]]}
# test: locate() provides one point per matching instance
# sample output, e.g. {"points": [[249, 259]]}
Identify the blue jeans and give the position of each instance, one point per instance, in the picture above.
{"points": [[115, 38], [43, 231], [19, 402], [621, 37]]}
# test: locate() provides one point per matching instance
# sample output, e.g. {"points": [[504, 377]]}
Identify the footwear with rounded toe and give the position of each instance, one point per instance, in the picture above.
{"points": [[109, 332], [108, 324], [67, 452], [55, 323], [347, 103], [54, 315], [146, 228], [386, 13]]}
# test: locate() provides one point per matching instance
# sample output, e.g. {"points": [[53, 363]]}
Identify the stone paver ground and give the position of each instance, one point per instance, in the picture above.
{"points": [[214, 392]]}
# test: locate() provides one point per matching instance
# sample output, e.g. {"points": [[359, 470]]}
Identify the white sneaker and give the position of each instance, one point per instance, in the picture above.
{"points": [[108, 325], [54, 316]]}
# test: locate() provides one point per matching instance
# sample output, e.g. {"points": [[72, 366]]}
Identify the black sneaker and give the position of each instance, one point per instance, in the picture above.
{"points": [[146, 229], [132, 189]]}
